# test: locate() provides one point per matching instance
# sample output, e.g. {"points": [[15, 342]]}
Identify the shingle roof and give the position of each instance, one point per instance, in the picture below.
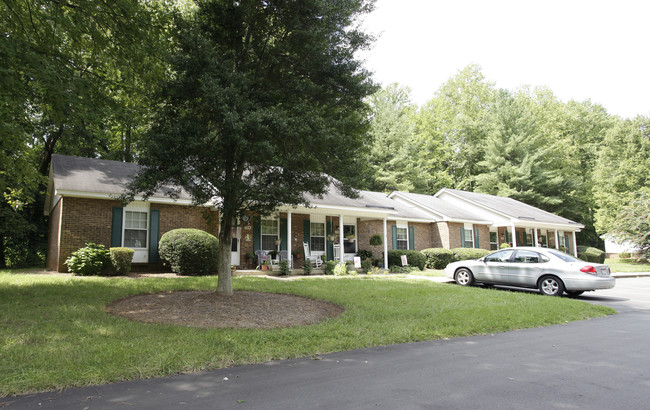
{"points": [[439, 206], [510, 207], [96, 176]]}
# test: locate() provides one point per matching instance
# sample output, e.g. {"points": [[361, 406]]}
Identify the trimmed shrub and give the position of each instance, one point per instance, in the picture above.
{"points": [[283, 268], [375, 240], [624, 255], [189, 251], [366, 265], [589, 254], [364, 254], [328, 267], [414, 258], [463, 254], [505, 246], [306, 267], [438, 258], [89, 260], [121, 259]]}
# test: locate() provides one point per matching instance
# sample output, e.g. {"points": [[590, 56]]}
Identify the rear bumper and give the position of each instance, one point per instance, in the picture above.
{"points": [[593, 283]]}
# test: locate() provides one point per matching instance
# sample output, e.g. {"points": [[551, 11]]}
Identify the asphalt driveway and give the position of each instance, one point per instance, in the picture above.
{"points": [[593, 364]]}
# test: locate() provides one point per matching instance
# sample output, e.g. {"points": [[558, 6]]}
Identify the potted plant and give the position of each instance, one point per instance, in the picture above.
{"points": [[331, 237], [278, 241], [266, 265], [350, 237], [375, 240]]}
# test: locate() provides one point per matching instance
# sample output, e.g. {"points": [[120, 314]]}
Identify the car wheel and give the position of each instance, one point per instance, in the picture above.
{"points": [[551, 286], [464, 277], [574, 293]]}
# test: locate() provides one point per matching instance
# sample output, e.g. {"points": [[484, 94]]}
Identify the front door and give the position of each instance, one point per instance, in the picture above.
{"points": [[234, 252]]}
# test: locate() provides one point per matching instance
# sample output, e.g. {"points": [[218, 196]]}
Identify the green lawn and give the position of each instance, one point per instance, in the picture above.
{"points": [[54, 332], [627, 265], [430, 272]]}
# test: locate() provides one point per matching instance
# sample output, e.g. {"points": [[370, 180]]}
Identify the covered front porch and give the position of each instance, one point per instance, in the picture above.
{"points": [[558, 237], [329, 233]]}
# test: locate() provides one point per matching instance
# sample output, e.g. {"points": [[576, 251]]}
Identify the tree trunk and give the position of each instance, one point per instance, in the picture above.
{"points": [[224, 285]]}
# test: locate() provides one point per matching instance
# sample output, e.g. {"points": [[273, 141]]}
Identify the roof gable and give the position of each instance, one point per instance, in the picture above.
{"points": [[508, 207]]}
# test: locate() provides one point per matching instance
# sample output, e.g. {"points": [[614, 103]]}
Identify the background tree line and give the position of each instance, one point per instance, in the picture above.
{"points": [[570, 158], [84, 78]]}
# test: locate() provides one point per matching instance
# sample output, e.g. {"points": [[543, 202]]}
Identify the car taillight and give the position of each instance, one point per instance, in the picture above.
{"points": [[589, 269]]}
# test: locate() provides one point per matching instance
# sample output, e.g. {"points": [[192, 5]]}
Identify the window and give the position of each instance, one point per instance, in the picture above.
{"points": [[527, 257], [561, 240], [529, 238], [135, 229], [469, 236], [269, 234], [402, 238], [501, 256], [317, 232], [494, 244]]}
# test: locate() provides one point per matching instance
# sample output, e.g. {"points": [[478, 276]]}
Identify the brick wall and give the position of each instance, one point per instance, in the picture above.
{"points": [[483, 236], [90, 220]]}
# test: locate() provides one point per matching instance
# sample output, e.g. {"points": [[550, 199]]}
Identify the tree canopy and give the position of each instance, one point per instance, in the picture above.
{"points": [[265, 102]]}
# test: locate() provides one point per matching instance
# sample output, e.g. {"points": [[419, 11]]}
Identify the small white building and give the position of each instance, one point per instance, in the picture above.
{"points": [[613, 247]]}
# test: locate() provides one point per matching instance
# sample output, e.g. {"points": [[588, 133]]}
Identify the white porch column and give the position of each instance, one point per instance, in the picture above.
{"points": [[289, 240], [385, 245], [557, 240], [575, 245], [536, 241], [341, 248], [514, 236]]}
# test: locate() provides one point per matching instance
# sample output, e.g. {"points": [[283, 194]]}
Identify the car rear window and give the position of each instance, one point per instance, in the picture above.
{"points": [[565, 257]]}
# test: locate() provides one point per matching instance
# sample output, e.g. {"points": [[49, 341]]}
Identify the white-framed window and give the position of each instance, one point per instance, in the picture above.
{"points": [[270, 233], [135, 229], [561, 240], [469, 236], [402, 237], [494, 240], [317, 236]]}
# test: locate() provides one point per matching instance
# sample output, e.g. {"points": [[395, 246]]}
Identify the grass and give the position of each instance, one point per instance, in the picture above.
{"points": [[430, 272], [54, 332], [627, 265]]}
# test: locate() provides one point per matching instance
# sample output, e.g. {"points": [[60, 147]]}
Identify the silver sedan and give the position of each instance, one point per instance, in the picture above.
{"points": [[551, 271]]}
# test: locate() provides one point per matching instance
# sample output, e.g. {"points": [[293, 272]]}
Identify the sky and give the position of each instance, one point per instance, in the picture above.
{"points": [[582, 50]]}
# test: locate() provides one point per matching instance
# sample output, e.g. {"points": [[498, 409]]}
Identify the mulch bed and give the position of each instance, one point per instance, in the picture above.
{"points": [[243, 309]]}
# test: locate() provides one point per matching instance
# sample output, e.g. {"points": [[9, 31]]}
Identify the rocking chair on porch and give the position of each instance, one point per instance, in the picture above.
{"points": [[315, 259]]}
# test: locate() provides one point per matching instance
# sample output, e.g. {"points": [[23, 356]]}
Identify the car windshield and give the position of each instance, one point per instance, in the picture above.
{"points": [[565, 257]]}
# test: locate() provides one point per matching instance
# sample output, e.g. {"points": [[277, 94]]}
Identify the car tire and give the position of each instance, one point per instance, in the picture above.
{"points": [[551, 286], [574, 293], [464, 277]]}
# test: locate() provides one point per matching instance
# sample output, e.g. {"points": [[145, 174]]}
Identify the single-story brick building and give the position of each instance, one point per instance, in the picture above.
{"points": [[82, 208]]}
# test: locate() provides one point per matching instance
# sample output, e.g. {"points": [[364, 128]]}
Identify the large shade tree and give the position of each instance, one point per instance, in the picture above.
{"points": [[265, 102]]}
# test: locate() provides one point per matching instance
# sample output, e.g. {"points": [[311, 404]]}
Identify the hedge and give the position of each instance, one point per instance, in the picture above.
{"points": [[589, 254], [189, 251], [414, 258], [121, 259], [463, 254], [438, 258]]}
